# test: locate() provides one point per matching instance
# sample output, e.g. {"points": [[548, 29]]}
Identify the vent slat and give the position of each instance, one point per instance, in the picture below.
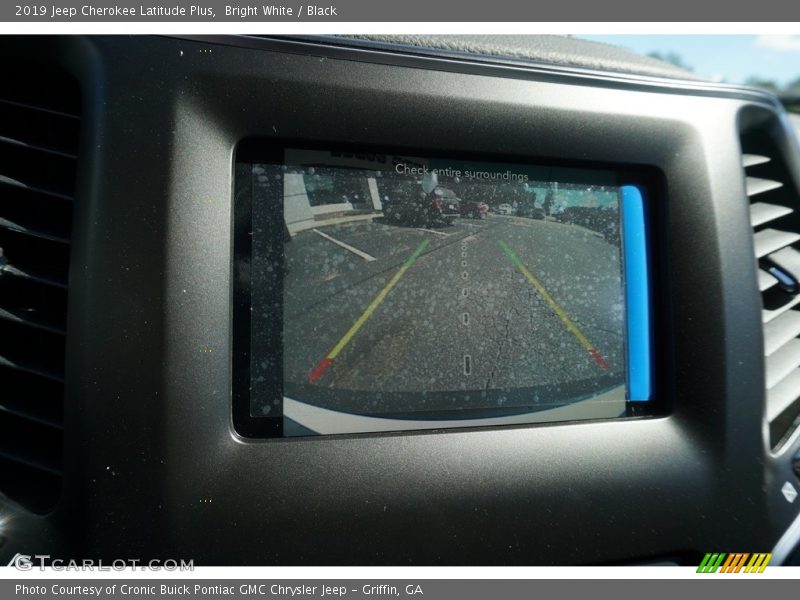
{"points": [[9, 181], [765, 280], [40, 463], [763, 212], [32, 397], [24, 164], [47, 131], [34, 489], [757, 186], [751, 160], [33, 230], [768, 316], [31, 369], [30, 443], [35, 350], [780, 330], [40, 108], [782, 362], [768, 241], [31, 320], [785, 265], [19, 411], [36, 147], [50, 279], [783, 395]]}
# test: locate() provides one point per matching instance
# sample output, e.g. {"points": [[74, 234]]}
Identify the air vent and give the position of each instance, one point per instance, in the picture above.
{"points": [[39, 123], [774, 199]]}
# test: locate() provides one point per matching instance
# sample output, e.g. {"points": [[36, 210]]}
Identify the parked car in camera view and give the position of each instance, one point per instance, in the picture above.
{"points": [[447, 204], [409, 205], [504, 209], [473, 209]]}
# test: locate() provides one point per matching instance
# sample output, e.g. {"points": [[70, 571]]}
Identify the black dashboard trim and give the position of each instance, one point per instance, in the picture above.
{"points": [[441, 59]]}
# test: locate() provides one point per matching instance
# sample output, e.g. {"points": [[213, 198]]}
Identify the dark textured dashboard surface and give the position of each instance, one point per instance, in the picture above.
{"points": [[153, 465], [543, 49]]}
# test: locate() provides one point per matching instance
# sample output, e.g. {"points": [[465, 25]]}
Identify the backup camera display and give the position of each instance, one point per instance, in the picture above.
{"points": [[418, 293]]}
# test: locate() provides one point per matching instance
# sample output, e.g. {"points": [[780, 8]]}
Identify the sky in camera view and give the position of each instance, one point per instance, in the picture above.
{"points": [[729, 58]]}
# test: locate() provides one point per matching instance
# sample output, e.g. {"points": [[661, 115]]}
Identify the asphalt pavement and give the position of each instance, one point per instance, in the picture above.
{"points": [[486, 315]]}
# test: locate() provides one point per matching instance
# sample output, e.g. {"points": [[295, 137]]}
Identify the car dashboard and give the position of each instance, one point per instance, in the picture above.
{"points": [[122, 434]]}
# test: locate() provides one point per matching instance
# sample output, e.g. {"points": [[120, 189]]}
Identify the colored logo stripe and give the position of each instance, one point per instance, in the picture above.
{"points": [[758, 563], [734, 562], [319, 370], [711, 562], [554, 306]]}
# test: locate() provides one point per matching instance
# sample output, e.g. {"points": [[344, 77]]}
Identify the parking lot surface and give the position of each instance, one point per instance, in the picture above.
{"points": [[482, 314]]}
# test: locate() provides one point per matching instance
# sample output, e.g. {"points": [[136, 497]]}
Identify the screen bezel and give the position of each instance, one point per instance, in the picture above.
{"points": [[271, 151]]}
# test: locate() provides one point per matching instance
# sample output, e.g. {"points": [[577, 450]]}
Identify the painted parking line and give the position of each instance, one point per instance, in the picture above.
{"points": [[355, 251], [555, 307], [319, 370], [434, 231]]}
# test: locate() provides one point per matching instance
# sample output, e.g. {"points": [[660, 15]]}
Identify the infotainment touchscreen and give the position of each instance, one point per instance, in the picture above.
{"points": [[386, 292]]}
